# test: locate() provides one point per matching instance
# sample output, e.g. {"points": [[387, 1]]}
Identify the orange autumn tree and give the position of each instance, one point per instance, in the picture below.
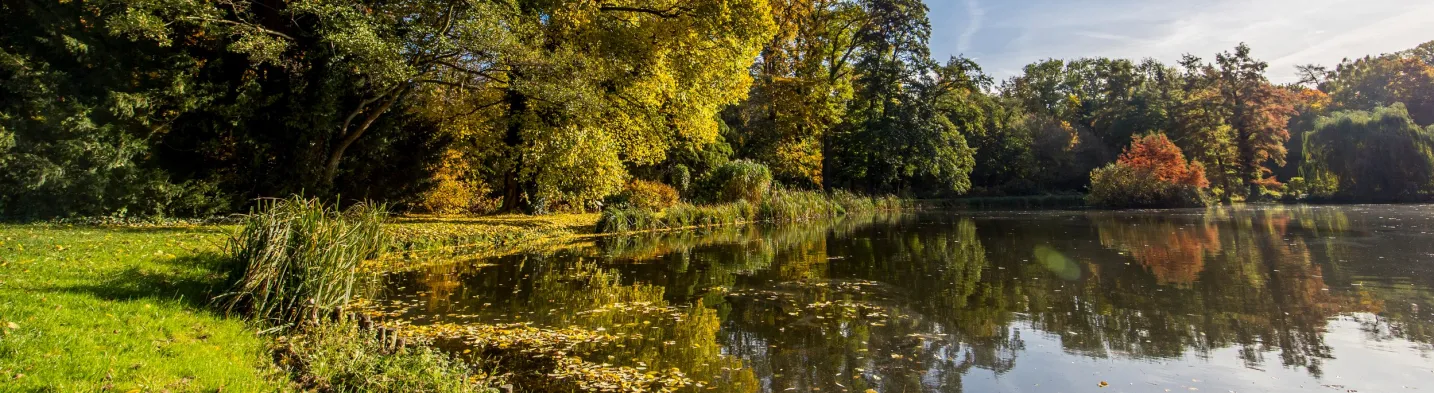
{"points": [[1152, 172], [1156, 154]]}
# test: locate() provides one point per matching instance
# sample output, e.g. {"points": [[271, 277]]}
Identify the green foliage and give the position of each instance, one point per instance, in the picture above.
{"points": [[1122, 186], [191, 108], [738, 180], [680, 177], [340, 357], [1381, 155], [301, 259], [79, 116]]}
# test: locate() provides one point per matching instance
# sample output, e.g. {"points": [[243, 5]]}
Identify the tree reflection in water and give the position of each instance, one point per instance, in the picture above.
{"points": [[918, 302]]}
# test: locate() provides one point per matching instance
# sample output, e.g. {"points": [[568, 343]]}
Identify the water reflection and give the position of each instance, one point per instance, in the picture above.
{"points": [[1270, 299]]}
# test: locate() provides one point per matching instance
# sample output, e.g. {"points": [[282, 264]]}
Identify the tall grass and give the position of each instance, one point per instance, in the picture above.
{"points": [[302, 258], [628, 219], [776, 206]]}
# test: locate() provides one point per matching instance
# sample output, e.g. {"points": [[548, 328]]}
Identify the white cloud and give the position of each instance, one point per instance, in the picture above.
{"points": [[1283, 32]]}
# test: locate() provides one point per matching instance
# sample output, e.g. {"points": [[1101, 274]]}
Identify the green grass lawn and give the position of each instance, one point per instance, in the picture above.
{"points": [[122, 309]]}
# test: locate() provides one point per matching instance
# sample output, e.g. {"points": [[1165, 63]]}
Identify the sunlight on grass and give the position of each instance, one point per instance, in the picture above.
{"points": [[88, 309]]}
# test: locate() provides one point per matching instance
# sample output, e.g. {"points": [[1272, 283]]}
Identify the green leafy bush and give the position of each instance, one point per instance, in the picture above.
{"points": [[340, 357], [302, 258], [738, 180], [1122, 186], [680, 177]]}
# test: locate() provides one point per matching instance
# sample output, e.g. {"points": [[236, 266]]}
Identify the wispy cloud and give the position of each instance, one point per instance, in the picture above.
{"points": [[1012, 33], [977, 16]]}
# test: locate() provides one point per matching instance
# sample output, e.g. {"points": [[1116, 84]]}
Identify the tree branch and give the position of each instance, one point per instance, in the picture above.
{"points": [[241, 24], [674, 12]]}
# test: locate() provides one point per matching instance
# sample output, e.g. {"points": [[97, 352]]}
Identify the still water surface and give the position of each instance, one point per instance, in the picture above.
{"points": [[1267, 299]]}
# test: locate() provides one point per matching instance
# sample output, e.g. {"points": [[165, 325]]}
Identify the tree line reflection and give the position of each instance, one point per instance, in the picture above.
{"points": [[915, 302]]}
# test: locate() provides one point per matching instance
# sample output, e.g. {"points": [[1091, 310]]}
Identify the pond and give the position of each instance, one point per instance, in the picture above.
{"points": [[1257, 299]]}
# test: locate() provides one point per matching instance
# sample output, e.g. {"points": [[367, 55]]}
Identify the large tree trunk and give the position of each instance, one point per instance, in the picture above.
{"points": [[337, 154], [513, 138]]}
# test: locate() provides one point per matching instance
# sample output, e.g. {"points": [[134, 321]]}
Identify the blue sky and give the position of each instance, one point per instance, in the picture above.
{"points": [[1004, 35]]}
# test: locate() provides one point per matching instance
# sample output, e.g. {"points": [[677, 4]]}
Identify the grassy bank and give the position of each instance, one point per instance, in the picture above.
{"points": [[129, 308], [122, 309]]}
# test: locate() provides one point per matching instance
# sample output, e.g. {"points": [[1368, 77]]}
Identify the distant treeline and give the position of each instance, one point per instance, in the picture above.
{"points": [[195, 108]]}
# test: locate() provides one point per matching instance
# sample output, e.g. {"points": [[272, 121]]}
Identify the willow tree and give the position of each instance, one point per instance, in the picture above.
{"points": [[1376, 155]]}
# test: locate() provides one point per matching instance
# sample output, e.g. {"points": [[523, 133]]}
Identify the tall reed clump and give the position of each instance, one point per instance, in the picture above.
{"points": [[685, 215], [628, 219], [790, 206], [302, 258], [778, 205]]}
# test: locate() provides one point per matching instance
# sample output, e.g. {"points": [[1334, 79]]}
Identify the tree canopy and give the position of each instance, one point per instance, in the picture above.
{"points": [[181, 107]]}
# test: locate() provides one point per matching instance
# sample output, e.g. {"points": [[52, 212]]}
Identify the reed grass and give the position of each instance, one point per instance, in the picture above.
{"points": [[776, 206], [302, 258]]}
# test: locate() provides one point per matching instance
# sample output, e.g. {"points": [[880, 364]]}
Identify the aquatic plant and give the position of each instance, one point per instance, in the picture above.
{"points": [[342, 357], [301, 258]]}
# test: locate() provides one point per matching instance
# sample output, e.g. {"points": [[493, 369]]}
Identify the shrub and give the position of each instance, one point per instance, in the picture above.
{"points": [[680, 177], [451, 194], [1122, 186], [649, 195], [341, 357], [738, 180], [302, 258], [1152, 172]]}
